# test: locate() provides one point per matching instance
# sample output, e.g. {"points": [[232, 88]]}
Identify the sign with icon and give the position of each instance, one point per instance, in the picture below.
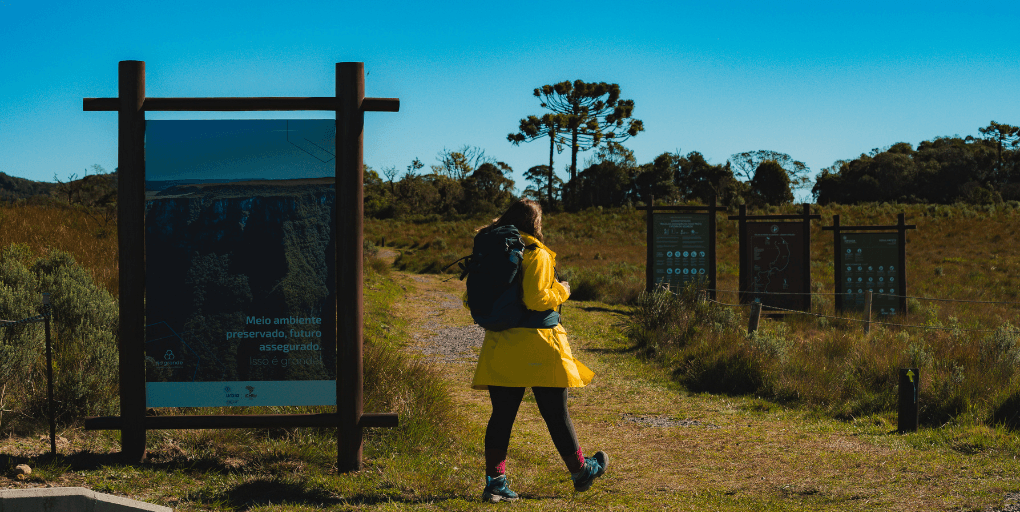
{"points": [[681, 244], [870, 258], [870, 262]]}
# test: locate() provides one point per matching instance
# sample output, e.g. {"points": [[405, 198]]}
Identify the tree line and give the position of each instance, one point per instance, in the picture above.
{"points": [[583, 116], [942, 170], [592, 116]]}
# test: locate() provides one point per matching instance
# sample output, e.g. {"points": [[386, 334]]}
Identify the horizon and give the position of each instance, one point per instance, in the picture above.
{"points": [[819, 82]]}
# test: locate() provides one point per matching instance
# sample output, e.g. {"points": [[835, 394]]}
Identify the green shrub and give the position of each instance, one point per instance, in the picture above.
{"points": [[1000, 351], [616, 283], [773, 343], [672, 319], [84, 327], [379, 266], [727, 368]]}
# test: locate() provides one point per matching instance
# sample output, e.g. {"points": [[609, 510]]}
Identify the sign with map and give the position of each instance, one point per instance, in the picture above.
{"points": [[240, 263], [776, 257], [682, 248], [869, 262]]}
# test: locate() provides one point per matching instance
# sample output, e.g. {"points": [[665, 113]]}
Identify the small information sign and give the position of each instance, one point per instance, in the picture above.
{"points": [[682, 248], [870, 262], [776, 255]]}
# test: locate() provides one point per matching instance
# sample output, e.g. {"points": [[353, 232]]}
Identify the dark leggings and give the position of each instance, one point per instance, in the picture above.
{"points": [[552, 404]]}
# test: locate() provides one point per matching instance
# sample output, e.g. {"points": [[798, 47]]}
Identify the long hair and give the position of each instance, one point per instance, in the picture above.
{"points": [[525, 215]]}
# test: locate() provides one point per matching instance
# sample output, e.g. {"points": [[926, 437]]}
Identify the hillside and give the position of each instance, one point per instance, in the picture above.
{"points": [[13, 188]]}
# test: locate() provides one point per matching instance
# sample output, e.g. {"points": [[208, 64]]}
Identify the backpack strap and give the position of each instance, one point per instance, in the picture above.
{"points": [[463, 267]]}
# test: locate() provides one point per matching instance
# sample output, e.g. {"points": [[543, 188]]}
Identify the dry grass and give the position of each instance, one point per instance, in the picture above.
{"points": [[92, 242]]}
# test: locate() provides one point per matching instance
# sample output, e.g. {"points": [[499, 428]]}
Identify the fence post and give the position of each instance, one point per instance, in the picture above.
{"points": [[49, 374], [752, 321], [867, 312], [910, 384]]}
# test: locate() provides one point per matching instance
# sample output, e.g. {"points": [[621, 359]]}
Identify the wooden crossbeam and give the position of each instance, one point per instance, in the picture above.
{"points": [[326, 103]]}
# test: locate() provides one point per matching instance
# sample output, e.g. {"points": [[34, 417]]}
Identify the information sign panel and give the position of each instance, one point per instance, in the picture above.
{"points": [[870, 262], [682, 248], [240, 262], [776, 256]]}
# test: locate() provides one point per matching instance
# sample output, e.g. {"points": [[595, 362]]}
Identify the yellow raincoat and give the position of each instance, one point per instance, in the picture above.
{"points": [[526, 357]]}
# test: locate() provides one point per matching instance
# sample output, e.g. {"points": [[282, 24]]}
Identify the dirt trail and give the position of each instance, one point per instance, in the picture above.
{"points": [[669, 447]]}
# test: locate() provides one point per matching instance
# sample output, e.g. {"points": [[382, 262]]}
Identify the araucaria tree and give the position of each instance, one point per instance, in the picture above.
{"points": [[587, 113], [533, 128]]}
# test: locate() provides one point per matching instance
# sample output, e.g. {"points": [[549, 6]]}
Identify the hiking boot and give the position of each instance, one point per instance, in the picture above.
{"points": [[496, 490], [593, 468]]}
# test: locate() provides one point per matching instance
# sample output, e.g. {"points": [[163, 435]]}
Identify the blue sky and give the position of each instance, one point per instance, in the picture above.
{"points": [[820, 81]]}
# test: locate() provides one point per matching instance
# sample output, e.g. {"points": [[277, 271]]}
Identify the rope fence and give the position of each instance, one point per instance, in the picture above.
{"points": [[874, 293], [752, 325], [32, 320]]}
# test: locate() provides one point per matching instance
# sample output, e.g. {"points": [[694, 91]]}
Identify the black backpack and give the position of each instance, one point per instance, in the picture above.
{"points": [[494, 277]]}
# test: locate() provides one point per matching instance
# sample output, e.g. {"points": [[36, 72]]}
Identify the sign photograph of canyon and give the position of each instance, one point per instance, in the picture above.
{"points": [[240, 264]]}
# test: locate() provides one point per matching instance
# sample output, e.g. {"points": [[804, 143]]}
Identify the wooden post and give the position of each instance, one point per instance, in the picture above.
{"points": [[902, 262], [131, 245], [711, 244], [837, 266], [49, 375], [649, 246], [806, 305], [867, 312], [754, 317], [350, 91], [745, 258]]}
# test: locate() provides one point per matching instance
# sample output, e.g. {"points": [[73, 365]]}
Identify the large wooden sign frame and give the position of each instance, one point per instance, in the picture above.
{"points": [[837, 250], [710, 212], [349, 105], [746, 262]]}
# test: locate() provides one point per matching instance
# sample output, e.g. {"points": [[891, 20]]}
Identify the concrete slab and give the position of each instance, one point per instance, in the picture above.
{"points": [[70, 499]]}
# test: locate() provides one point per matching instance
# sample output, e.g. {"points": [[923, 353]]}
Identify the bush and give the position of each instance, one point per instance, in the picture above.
{"points": [[616, 283], [84, 327]]}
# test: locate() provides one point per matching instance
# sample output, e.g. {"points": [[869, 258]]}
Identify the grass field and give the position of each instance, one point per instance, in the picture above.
{"points": [[673, 446], [958, 252]]}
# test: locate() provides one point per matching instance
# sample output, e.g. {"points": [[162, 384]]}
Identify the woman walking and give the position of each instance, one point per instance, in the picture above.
{"points": [[540, 358]]}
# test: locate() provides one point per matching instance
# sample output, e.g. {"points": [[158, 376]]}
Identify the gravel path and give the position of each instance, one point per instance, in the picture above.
{"points": [[446, 344]]}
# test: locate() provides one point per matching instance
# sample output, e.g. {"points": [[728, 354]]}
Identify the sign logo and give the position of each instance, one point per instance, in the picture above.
{"points": [[169, 356]]}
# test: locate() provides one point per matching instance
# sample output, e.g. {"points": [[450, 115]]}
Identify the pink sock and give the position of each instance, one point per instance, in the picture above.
{"points": [[580, 462]]}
